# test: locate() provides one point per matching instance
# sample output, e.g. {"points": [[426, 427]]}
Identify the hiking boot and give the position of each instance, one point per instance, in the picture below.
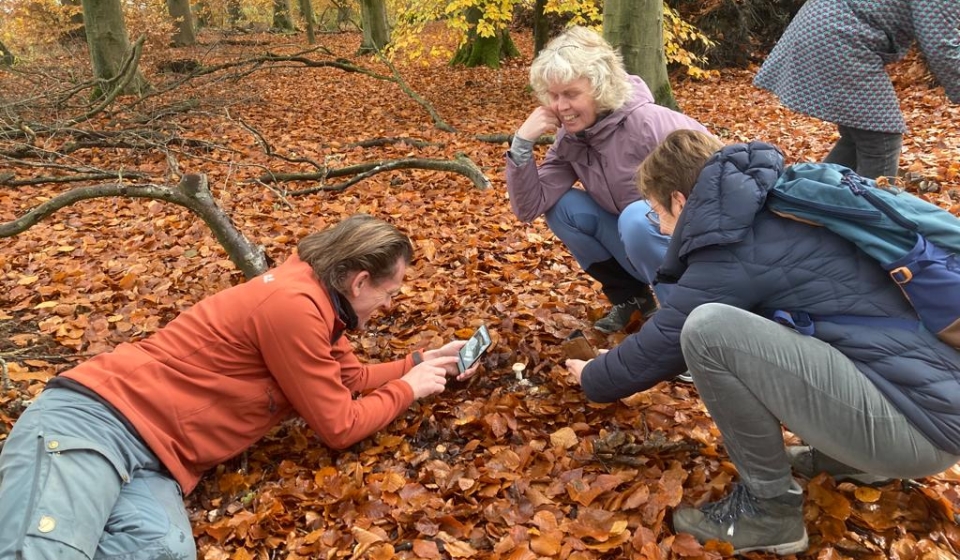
{"points": [[808, 463], [748, 522], [619, 316]]}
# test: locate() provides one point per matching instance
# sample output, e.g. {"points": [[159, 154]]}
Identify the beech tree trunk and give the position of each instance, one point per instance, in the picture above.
{"points": [[376, 29], [76, 30], [541, 29], [234, 12], [484, 51], [282, 21], [306, 7], [185, 34], [344, 15], [6, 57], [108, 42], [636, 27]]}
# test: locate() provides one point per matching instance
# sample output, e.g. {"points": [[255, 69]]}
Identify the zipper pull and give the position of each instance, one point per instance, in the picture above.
{"points": [[856, 187]]}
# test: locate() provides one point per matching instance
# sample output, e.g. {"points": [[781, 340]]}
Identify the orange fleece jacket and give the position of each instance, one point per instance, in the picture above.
{"points": [[214, 380]]}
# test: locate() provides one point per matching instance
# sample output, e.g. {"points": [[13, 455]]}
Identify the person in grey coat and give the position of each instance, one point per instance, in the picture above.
{"points": [[829, 64], [606, 122], [895, 390]]}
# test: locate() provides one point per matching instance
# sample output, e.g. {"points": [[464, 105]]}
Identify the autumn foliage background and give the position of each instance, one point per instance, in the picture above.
{"points": [[504, 466]]}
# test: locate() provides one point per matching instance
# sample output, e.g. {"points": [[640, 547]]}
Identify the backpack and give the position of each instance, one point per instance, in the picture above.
{"points": [[916, 242]]}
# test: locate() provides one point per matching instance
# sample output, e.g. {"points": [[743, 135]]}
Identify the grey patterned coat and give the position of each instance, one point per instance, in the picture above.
{"points": [[829, 64]]}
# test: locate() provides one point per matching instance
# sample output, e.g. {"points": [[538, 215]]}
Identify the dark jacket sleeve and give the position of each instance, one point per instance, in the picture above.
{"points": [[653, 354]]}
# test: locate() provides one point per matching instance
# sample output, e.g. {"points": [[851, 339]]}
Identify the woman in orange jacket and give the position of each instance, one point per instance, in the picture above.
{"points": [[96, 466]]}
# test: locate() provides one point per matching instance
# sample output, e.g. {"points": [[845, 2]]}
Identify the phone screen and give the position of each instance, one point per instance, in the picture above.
{"points": [[474, 348]]}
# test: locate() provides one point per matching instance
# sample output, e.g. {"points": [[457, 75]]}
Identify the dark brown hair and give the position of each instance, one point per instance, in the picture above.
{"points": [[675, 164]]}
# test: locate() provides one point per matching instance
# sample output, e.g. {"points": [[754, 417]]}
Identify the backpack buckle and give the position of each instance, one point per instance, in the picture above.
{"points": [[901, 275]]}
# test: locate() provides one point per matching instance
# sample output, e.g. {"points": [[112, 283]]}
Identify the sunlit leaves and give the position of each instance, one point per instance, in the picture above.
{"points": [[488, 469]]}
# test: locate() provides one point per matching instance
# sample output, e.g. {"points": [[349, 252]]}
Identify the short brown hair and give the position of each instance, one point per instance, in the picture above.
{"points": [[675, 164], [358, 243]]}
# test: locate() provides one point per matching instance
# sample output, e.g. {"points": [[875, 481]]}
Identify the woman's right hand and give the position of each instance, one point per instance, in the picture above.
{"points": [[541, 120], [429, 377]]}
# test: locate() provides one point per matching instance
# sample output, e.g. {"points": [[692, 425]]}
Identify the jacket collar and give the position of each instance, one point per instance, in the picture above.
{"points": [[346, 316]]}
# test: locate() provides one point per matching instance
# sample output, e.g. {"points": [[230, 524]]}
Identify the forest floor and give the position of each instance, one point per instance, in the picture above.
{"points": [[499, 467]]}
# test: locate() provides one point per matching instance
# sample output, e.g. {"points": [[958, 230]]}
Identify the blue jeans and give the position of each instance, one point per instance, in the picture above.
{"points": [[594, 235], [869, 153], [75, 483], [755, 376]]}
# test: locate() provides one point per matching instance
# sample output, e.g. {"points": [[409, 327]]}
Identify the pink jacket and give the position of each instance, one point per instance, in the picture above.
{"points": [[604, 158]]}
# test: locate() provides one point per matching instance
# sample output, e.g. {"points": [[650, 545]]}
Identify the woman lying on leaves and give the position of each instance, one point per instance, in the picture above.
{"points": [[95, 466], [896, 392]]}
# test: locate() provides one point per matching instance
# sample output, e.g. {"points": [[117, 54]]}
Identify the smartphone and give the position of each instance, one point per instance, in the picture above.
{"points": [[474, 348], [578, 347]]}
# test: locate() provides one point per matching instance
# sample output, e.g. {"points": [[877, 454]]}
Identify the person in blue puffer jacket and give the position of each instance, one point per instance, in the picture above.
{"points": [[894, 391], [830, 64]]}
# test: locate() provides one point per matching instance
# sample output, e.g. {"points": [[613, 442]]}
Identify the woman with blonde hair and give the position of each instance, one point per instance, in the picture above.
{"points": [[606, 123]]}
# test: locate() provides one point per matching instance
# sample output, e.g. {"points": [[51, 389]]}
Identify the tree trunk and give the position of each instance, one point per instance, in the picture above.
{"points": [[376, 30], [108, 42], [636, 27], [76, 30], [202, 12], [541, 28], [306, 7], [484, 51], [6, 57], [281, 15], [344, 15], [234, 12], [185, 34]]}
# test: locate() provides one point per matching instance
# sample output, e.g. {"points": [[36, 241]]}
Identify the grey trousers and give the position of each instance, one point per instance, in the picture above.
{"points": [[871, 154], [75, 483], [756, 376]]}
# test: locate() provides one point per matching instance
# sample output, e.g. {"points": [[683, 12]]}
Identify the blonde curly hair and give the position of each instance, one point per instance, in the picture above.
{"points": [[578, 53]]}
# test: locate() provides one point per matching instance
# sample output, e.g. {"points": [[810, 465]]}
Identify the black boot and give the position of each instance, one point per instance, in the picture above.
{"points": [[626, 293]]}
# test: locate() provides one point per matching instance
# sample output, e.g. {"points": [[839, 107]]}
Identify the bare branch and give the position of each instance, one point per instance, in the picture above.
{"points": [[8, 180], [437, 119], [268, 149], [376, 142], [192, 193], [462, 165], [546, 139]]}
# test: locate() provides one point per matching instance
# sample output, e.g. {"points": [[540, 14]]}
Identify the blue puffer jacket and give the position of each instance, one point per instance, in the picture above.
{"points": [[727, 248]]}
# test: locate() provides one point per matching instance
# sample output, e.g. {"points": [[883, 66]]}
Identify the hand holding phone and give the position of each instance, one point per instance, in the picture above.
{"points": [[474, 349]]}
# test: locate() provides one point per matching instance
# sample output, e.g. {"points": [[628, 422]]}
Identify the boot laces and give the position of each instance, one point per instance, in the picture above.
{"points": [[729, 509]]}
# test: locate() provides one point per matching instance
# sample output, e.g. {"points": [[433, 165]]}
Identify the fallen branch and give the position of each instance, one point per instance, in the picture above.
{"points": [[507, 139], [9, 180], [380, 142], [398, 79], [462, 165], [268, 148], [192, 193]]}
